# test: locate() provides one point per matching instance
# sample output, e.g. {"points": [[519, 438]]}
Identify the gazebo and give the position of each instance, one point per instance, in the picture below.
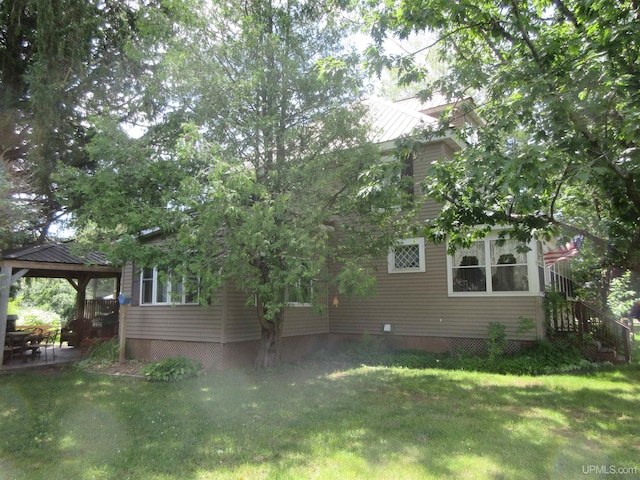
{"points": [[52, 260]]}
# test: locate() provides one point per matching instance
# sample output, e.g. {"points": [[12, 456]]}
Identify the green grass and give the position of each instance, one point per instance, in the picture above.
{"points": [[315, 421]]}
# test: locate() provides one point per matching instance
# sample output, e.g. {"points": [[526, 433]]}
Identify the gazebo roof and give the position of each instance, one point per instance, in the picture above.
{"points": [[52, 260], [56, 260], [54, 253]]}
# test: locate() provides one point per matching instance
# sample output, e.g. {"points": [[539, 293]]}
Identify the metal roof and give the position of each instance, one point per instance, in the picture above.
{"points": [[390, 121], [55, 252], [437, 102]]}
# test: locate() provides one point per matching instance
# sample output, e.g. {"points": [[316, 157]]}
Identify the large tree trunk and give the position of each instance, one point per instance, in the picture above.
{"points": [[269, 353]]}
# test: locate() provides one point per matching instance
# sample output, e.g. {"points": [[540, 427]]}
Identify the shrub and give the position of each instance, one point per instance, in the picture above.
{"points": [[104, 351], [497, 341], [100, 352], [171, 369], [557, 355], [36, 316], [50, 294]]}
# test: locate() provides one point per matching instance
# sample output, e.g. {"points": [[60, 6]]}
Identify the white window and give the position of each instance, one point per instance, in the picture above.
{"points": [[300, 294], [157, 287], [494, 266], [407, 256]]}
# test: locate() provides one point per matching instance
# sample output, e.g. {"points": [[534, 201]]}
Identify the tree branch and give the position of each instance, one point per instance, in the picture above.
{"points": [[525, 34], [562, 7]]}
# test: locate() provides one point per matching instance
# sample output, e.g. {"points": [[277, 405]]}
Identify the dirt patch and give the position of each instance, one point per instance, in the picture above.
{"points": [[128, 368]]}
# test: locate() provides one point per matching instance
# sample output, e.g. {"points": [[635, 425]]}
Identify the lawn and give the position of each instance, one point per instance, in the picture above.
{"points": [[314, 420]]}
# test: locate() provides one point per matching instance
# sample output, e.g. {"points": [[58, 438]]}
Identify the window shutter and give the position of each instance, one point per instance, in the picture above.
{"points": [[135, 285]]}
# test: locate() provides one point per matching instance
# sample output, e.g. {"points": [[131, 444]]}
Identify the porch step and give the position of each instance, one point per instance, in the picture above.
{"points": [[605, 355], [598, 353]]}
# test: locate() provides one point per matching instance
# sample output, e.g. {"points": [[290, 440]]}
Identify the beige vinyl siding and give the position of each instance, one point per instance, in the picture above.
{"points": [[304, 321], [178, 322], [421, 164], [242, 320], [418, 304]]}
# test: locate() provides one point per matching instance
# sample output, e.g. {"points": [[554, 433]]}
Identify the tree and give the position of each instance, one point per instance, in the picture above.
{"points": [[62, 63], [558, 86], [48, 294], [273, 160]]}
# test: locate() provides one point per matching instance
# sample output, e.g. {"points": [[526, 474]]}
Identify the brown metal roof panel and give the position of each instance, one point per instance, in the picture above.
{"points": [[53, 253]]}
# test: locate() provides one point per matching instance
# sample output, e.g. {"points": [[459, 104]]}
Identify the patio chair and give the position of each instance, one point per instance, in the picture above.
{"points": [[50, 342], [34, 343], [14, 346], [77, 330]]}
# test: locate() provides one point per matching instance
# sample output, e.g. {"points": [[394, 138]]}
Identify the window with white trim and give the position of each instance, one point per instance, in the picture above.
{"points": [[407, 256], [157, 287], [300, 294], [494, 266]]}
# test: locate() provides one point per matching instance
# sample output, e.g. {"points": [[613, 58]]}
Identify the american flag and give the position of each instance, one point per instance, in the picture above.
{"points": [[564, 252]]}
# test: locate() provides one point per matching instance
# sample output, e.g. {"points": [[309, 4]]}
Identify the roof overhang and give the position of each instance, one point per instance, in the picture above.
{"points": [[61, 270], [449, 138], [57, 260]]}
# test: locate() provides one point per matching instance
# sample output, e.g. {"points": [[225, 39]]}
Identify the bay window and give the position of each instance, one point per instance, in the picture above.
{"points": [[494, 266]]}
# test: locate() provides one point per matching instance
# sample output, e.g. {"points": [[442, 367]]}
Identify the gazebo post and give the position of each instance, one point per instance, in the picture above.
{"points": [[5, 285], [81, 294]]}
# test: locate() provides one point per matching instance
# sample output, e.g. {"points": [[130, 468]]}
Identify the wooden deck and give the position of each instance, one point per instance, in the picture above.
{"points": [[64, 354]]}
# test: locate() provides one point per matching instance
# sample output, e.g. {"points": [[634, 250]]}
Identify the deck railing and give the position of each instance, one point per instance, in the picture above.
{"points": [[580, 318], [92, 308], [605, 329]]}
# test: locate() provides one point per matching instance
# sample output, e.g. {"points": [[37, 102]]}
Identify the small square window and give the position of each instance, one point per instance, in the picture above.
{"points": [[407, 256]]}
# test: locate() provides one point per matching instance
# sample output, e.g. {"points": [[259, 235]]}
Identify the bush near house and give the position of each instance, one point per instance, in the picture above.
{"points": [[557, 355], [171, 369]]}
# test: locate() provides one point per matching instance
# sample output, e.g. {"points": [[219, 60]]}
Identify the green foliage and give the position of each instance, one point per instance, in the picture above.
{"points": [[273, 147], [13, 307], [496, 340], [557, 84], [526, 324], [622, 296], [101, 352], [367, 346], [171, 369], [63, 63], [554, 302], [37, 316], [558, 355], [48, 294]]}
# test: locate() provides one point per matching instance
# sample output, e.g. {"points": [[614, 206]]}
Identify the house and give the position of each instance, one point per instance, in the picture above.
{"points": [[425, 298]]}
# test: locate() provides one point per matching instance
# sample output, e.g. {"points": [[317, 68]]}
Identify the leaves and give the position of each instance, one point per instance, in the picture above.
{"points": [[63, 63], [558, 85], [272, 149]]}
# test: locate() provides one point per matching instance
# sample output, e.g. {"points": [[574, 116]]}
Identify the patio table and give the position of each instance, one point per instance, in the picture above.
{"points": [[24, 337]]}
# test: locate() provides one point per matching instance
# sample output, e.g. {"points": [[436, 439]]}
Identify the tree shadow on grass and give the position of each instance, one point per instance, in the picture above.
{"points": [[297, 420]]}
